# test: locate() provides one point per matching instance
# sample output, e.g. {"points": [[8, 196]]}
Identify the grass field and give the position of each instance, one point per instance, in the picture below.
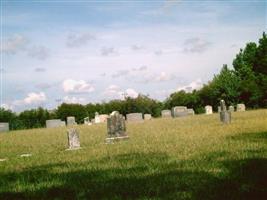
{"points": [[184, 158]]}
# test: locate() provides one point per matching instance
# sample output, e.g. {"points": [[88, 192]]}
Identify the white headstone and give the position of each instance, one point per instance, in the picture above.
{"points": [[147, 117], [166, 113], [4, 126], [240, 107], [208, 110], [179, 111], [134, 117], [52, 123]]}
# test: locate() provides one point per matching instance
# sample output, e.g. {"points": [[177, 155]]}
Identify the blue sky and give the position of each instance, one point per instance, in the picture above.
{"points": [[93, 51]]}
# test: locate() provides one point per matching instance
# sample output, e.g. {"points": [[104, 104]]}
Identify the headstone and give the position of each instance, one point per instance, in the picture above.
{"points": [[52, 123], [166, 113], [4, 126], [147, 117], [134, 117], [97, 119], [231, 108], [240, 107], [208, 109], [219, 109], [179, 111], [225, 116], [73, 138], [71, 121], [100, 118], [116, 127], [63, 123], [86, 120], [190, 111]]}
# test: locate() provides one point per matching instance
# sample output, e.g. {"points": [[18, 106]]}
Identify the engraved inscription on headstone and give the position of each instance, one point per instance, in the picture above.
{"points": [[73, 138], [240, 107], [116, 127], [134, 117], [4, 126], [225, 116], [166, 113], [208, 109]]}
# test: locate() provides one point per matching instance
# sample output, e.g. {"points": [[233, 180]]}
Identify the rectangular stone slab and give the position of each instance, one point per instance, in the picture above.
{"points": [[4, 126]]}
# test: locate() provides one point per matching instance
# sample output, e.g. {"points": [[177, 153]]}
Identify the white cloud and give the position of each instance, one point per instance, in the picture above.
{"points": [[163, 76], [194, 85], [14, 44], [131, 93], [31, 99], [35, 98], [115, 92], [77, 86], [68, 99]]}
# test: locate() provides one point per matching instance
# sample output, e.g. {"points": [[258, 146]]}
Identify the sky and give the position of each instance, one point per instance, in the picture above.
{"points": [[94, 51]]}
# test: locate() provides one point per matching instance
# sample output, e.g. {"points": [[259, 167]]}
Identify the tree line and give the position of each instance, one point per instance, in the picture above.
{"points": [[245, 83]]}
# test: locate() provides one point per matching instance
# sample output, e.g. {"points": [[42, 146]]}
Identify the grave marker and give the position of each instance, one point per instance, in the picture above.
{"points": [[225, 116], [208, 110], [166, 113], [240, 107], [4, 126], [73, 139], [116, 127], [134, 117], [179, 111]]}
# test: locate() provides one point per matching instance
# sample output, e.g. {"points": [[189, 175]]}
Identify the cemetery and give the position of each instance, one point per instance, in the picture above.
{"points": [[140, 100], [141, 155]]}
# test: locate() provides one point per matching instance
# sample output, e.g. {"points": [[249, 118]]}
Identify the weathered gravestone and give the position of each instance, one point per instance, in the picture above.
{"points": [[4, 126], [73, 139], [219, 109], [179, 111], [147, 117], [71, 121], [52, 123], [166, 113], [240, 107], [208, 110], [116, 127], [225, 116], [87, 121], [134, 117], [190, 111], [231, 108]]}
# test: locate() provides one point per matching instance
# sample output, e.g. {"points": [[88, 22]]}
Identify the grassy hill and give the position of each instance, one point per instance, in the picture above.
{"points": [[194, 157]]}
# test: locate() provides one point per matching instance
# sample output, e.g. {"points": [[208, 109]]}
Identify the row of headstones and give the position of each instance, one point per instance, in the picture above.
{"points": [[116, 127], [177, 111]]}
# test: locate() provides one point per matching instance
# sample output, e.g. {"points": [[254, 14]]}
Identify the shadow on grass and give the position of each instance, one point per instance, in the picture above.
{"points": [[140, 176]]}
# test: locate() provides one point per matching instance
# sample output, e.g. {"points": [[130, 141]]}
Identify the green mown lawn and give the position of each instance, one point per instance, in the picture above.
{"points": [[184, 158]]}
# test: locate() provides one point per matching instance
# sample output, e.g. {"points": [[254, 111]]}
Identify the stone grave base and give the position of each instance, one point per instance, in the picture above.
{"points": [[72, 149], [111, 140]]}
